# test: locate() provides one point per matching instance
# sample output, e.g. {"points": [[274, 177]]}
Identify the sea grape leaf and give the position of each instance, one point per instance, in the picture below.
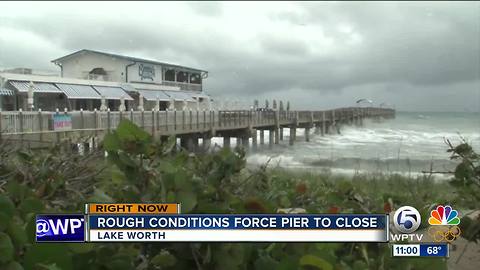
{"points": [[17, 233], [49, 254], [31, 205], [81, 248], [14, 266], [52, 266], [187, 199], [100, 196], [4, 221], [6, 248], [128, 131], [164, 259], [6, 205], [266, 262], [111, 142], [312, 260]]}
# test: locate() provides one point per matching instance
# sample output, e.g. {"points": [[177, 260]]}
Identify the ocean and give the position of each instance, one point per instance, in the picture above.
{"points": [[409, 144]]}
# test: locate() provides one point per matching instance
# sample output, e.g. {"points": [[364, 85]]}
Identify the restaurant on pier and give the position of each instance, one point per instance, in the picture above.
{"points": [[98, 80]]}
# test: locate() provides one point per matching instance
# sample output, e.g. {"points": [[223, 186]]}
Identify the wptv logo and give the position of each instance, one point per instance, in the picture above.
{"points": [[60, 228], [443, 221]]}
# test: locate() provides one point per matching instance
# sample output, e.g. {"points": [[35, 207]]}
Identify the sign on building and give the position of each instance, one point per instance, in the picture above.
{"points": [[145, 72], [62, 122]]}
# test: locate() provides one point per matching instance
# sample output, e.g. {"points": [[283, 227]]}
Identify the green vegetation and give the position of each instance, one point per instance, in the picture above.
{"points": [[137, 169]]}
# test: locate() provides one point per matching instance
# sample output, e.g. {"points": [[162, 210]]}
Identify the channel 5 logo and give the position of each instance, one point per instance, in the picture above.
{"points": [[407, 219], [60, 228]]}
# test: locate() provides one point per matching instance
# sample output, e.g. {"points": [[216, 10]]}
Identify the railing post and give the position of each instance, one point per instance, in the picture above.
{"points": [[204, 119], [191, 119], [153, 123], [175, 119], [211, 119], [131, 115], [20, 118], [311, 119], [108, 120], [82, 123], [1, 131], [277, 126], [213, 126], [40, 124], [166, 120], [65, 134], [143, 119], [95, 121], [183, 119]]}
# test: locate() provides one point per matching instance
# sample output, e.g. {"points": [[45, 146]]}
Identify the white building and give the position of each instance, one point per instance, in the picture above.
{"points": [[91, 79]]}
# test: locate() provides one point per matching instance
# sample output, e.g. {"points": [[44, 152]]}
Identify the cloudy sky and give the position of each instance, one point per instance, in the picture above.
{"points": [[417, 56]]}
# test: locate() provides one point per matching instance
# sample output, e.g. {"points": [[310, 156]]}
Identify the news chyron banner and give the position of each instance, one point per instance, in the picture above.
{"points": [[164, 223]]}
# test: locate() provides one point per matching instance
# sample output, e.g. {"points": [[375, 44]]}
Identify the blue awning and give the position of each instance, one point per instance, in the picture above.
{"points": [[180, 96], [5, 92], [78, 91], [111, 92], [151, 95], [38, 87]]}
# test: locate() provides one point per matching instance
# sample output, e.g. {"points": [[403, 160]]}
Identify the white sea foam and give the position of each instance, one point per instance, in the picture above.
{"points": [[406, 144]]}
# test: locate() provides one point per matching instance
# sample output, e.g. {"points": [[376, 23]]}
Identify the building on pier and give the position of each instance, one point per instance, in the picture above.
{"points": [[97, 80]]}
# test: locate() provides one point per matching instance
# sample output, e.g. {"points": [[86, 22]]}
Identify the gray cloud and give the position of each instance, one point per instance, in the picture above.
{"points": [[301, 50]]}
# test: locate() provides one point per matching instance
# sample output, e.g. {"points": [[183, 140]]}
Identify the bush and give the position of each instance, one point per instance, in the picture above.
{"points": [[139, 169]]}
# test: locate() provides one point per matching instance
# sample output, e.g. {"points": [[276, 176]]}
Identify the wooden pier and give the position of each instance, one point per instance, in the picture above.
{"points": [[36, 129]]}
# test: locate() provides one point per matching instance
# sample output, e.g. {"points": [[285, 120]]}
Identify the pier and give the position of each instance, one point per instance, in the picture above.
{"points": [[37, 128]]}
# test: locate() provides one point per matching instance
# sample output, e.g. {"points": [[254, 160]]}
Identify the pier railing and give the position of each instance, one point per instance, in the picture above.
{"points": [[174, 122]]}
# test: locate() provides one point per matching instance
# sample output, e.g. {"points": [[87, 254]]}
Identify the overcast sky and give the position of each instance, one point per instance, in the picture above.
{"points": [[418, 56]]}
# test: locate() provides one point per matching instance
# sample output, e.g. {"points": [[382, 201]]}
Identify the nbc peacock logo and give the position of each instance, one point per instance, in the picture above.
{"points": [[444, 215]]}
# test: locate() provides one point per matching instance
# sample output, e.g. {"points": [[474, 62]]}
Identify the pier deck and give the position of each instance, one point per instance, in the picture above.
{"points": [[39, 128]]}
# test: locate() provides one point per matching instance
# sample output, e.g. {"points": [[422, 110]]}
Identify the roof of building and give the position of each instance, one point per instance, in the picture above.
{"points": [[134, 59], [91, 89]]}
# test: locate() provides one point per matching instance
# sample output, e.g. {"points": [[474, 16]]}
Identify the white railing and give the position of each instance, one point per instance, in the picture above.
{"points": [[184, 86], [176, 121]]}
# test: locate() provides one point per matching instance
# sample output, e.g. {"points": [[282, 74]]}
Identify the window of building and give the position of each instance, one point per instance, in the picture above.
{"points": [[182, 76], [98, 71], [195, 78], [170, 75]]}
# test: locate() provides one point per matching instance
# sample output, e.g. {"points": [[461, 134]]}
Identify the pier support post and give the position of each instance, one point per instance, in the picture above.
{"points": [[316, 130], [226, 142], [184, 143], [262, 136], [277, 135], [270, 138], [245, 142], [307, 134], [192, 143], [254, 139], [281, 133], [323, 124], [355, 117], [292, 135], [206, 143]]}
